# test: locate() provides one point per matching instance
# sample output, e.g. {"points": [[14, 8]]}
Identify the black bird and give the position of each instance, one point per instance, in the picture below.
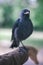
{"points": [[22, 28]]}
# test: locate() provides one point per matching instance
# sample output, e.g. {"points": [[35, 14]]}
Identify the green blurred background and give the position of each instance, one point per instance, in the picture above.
{"points": [[10, 11]]}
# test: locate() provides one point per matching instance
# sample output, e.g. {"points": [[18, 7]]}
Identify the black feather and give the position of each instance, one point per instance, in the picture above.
{"points": [[24, 28]]}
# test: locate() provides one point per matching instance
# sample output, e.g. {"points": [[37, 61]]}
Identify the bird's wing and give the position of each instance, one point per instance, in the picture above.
{"points": [[14, 27]]}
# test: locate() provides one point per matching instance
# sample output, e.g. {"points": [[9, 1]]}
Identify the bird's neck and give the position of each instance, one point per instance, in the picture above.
{"points": [[25, 18]]}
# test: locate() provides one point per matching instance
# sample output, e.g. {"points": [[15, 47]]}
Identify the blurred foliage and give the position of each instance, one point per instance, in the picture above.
{"points": [[7, 16], [10, 12], [39, 15]]}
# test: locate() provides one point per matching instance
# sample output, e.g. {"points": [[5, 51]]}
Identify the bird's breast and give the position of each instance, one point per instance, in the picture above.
{"points": [[25, 29]]}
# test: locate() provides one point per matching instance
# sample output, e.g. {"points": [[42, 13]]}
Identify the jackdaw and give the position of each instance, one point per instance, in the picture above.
{"points": [[22, 28]]}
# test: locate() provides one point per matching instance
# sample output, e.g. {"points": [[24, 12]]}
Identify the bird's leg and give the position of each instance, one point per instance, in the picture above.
{"points": [[22, 44]]}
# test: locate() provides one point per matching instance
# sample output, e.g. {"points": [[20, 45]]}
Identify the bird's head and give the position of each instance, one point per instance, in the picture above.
{"points": [[25, 13]]}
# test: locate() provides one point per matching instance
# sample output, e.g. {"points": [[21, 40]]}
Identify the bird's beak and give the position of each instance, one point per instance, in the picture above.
{"points": [[26, 13]]}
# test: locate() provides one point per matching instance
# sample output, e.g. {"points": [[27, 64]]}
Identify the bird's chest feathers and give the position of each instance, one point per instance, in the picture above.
{"points": [[24, 25]]}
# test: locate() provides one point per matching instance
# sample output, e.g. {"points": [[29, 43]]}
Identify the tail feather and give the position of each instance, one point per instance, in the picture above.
{"points": [[14, 44]]}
